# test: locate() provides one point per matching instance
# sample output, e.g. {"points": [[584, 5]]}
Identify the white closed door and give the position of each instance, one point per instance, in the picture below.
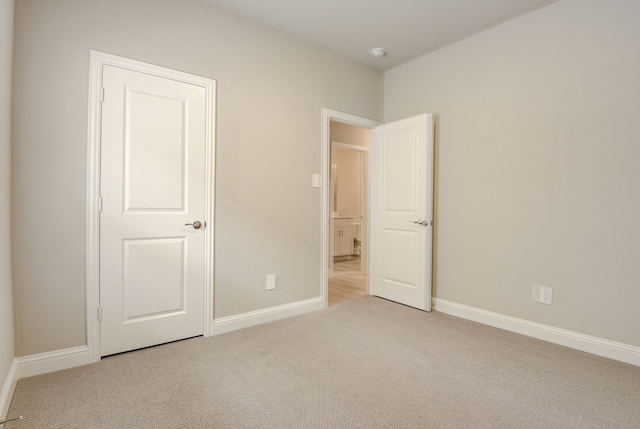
{"points": [[402, 211], [152, 185]]}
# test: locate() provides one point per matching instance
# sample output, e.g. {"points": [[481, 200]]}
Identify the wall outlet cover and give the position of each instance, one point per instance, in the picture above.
{"points": [[546, 295], [271, 282]]}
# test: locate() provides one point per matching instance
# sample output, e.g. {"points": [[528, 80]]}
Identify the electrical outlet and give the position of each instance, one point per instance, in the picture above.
{"points": [[542, 294], [546, 295], [271, 281]]}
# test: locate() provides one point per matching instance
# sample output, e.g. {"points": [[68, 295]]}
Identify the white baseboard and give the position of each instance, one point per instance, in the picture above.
{"points": [[28, 366], [253, 318], [598, 346], [8, 387]]}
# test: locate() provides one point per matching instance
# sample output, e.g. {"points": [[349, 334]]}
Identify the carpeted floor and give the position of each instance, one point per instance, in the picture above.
{"points": [[369, 363]]}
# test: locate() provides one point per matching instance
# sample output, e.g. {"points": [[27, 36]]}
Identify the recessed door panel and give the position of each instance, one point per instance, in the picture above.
{"points": [[155, 148], [154, 267], [399, 266], [400, 163]]}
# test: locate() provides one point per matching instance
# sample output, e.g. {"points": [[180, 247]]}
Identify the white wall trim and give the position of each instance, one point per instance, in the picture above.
{"points": [[271, 314], [97, 61], [597, 346], [42, 363], [8, 387], [329, 115]]}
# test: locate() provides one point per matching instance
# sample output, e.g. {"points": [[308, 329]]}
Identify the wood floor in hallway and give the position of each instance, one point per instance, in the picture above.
{"points": [[348, 282]]}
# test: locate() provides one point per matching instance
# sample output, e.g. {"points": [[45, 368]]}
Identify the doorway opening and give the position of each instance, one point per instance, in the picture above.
{"points": [[399, 237], [345, 206], [348, 203]]}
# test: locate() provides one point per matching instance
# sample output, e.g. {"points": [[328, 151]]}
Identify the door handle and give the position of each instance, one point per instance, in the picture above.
{"points": [[196, 224], [420, 222]]}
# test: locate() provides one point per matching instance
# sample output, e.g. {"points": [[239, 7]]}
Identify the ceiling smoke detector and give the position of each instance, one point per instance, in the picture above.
{"points": [[377, 52]]}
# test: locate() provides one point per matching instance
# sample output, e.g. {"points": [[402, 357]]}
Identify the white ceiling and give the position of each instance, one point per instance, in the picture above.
{"points": [[407, 29]]}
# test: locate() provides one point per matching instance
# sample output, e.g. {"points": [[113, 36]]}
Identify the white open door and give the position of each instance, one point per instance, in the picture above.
{"points": [[153, 142], [402, 211]]}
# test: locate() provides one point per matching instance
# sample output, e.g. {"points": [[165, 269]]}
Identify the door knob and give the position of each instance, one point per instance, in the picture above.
{"points": [[421, 222], [196, 224]]}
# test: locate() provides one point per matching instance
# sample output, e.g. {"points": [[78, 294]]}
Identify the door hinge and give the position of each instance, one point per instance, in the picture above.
{"points": [[99, 204], [100, 313], [101, 95]]}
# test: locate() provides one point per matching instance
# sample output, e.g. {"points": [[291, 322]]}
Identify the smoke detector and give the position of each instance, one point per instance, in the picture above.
{"points": [[377, 52]]}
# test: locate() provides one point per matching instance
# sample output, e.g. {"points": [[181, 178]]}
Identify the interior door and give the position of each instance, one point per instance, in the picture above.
{"points": [[402, 211], [152, 215]]}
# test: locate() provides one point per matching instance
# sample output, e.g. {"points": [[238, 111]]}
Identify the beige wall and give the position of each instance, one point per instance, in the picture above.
{"points": [[270, 93], [6, 300], [538, 153]]}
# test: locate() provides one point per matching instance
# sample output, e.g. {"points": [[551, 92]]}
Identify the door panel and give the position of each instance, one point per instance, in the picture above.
{"points": [[155, 174], [162, 263], [152, 185], [400, 166], [401, 199], [398, 266]]}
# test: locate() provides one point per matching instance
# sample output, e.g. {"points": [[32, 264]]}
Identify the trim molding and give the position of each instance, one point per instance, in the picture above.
{"points": [[42, 363], [271, 314], [586, 343], [8, 387], [28, 366]]}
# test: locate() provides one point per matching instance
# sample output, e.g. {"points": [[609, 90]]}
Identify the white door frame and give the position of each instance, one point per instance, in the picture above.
{"points": [[329, 115], [92, 281]]}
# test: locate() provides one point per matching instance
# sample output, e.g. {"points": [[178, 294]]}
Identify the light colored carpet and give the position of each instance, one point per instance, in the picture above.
{"points": [[369, 363]]}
